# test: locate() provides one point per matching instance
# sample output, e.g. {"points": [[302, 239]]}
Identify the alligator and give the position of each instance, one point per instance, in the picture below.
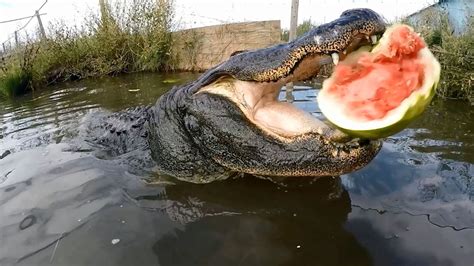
{"points": [[229, 120]]}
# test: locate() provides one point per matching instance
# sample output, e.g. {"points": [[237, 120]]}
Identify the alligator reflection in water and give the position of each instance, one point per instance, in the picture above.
{"points": [[254, 222], [77, 199], [411, 205]]}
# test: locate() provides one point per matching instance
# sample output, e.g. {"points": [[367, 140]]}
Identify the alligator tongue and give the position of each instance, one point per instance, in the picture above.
{"points": [[286, 119]]}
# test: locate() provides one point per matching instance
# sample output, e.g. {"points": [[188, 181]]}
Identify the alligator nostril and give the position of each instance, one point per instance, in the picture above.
{"points": [[364, 142]]}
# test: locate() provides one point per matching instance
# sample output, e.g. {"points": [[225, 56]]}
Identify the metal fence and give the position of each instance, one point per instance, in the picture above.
{"points": [[14, 40]]}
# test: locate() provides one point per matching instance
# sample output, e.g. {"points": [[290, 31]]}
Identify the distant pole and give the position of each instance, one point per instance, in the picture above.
{"points": [[294, 19], [16, 38], [4, 48], [41, 28], [293, 25]]}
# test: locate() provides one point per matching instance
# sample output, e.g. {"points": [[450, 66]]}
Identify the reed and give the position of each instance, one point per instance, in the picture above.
{"points": [[129, 36]]}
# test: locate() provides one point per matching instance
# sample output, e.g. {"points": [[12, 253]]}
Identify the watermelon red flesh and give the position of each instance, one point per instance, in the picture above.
{"points": [[378, 82]]}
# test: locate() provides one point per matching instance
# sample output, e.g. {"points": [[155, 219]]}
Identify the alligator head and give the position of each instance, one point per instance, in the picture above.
{"points": [[230, 120]]}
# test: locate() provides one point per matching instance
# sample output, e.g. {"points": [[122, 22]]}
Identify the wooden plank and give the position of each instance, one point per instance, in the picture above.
{"points": [[202, 48]]}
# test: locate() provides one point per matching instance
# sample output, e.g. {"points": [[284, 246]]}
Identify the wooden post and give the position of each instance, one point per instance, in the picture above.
{"points": [[4, 48], [41, 28], [293, 25], [16, 38], [294, 19]]}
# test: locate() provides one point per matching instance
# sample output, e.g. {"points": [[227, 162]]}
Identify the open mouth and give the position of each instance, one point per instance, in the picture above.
{"points": [[259, 100]]}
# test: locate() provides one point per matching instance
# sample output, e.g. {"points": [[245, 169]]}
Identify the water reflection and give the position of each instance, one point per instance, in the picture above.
{"points": [[255, 222], [61, 204], [245, 221], [47, 194], [424, 170], [447, 129], [403, 239]]}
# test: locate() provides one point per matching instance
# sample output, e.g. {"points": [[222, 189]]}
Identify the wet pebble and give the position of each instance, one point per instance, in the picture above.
{"points": [[115, 241]]}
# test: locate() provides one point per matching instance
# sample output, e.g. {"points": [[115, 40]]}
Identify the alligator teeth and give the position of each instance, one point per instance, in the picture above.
{"points": [[373, 38], [335, 58]]}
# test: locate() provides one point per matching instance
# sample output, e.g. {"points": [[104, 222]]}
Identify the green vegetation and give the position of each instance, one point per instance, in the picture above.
{"points": [[127, 37], [454, 52], [13, 82], [15, 75], [300, 30]]}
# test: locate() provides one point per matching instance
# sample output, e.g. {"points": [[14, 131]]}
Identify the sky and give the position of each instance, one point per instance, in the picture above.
{"points": [[197, 13]]}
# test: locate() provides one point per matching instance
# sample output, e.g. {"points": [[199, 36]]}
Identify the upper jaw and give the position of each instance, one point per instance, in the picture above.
{"points": [[250, 93], [356, 43]]}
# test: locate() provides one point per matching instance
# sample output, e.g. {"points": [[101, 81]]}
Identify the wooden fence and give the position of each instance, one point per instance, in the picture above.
{"points": [[202, 48]]}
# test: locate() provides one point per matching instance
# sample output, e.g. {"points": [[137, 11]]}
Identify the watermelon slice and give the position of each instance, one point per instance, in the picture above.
{"points": [[375, 92]]}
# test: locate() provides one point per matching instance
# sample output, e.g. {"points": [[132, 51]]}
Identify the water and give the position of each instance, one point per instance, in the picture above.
{"points": [[62, 205]]}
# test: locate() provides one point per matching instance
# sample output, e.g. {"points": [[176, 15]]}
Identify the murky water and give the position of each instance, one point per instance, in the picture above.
{"points": [[413, 205]]}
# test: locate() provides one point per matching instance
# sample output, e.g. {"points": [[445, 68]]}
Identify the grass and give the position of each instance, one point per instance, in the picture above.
{"points": [[130, 36], [13, 83], [15, 75]]}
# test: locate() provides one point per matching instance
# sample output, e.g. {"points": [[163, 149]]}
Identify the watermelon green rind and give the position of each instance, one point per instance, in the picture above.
{"points": [[396, 119]]}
